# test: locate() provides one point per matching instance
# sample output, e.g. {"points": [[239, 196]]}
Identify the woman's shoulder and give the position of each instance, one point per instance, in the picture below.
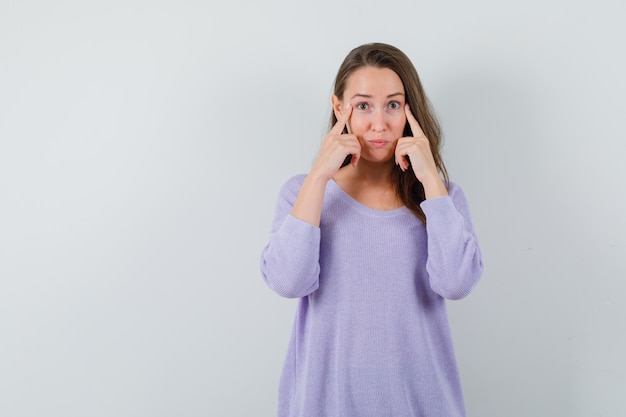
{"points": [[294, 182], [454, 188], [291, 187], [457, 194]]}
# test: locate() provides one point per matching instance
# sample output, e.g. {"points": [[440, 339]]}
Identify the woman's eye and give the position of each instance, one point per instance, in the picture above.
{"points": [[362, 106], [394, 105]]}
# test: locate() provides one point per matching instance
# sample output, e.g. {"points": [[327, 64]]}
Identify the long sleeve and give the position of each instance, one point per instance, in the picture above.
{"points": [[454, 260], [290, 260]]}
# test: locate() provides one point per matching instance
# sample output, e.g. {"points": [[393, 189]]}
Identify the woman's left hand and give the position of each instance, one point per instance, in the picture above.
{"points": [[417, 149]]}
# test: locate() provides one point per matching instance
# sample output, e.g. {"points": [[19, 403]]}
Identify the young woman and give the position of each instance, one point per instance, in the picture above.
{"points": [[372, 241]]}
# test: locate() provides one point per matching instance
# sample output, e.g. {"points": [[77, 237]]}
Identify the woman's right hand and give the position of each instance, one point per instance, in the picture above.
{"points": [[335, 148]]}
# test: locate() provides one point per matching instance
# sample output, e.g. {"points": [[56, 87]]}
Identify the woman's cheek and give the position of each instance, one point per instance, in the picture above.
{"points": [[357, 122], [400, 123]]}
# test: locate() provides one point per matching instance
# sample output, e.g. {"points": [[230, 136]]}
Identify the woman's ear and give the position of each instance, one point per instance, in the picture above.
{"points": [[336, 106]]}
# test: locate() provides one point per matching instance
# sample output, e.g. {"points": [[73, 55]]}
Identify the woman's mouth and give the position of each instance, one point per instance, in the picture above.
{"points": [[377, 143]]}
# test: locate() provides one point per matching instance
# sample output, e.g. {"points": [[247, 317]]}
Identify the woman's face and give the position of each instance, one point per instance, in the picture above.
{"points": [[378, 118]]}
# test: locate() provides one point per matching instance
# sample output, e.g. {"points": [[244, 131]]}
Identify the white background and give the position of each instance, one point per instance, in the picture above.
{"points": [[142, 145]]}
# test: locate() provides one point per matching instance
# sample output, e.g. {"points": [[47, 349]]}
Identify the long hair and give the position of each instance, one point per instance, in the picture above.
{"points": [[379, 55]]}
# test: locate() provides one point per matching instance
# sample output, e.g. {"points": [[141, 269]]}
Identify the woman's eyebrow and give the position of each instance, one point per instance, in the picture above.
{"points": [[369, 96]]}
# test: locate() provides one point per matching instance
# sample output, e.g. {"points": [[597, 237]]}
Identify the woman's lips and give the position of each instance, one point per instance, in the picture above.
{"points": [[377, 143]]}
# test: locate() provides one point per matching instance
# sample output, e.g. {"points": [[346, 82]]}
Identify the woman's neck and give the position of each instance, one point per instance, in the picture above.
{"points": [[370, 184], [374, 173]]}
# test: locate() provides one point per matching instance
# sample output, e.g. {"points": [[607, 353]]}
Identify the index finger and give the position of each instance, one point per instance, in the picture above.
{"points": [[415, 126], [341, 122]]}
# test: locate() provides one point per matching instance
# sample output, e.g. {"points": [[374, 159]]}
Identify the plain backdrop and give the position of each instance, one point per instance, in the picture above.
{"points": [[143, 144]]}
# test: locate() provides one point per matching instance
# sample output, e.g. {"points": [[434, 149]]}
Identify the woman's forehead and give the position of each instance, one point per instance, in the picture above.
{"points": [[373, 82]]}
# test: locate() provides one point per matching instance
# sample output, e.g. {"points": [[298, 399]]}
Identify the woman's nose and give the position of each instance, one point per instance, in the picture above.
{"points": [[379, 121]]}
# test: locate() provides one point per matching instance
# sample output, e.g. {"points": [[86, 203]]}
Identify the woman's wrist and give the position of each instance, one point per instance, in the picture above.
{"points": [[434, 187]]}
